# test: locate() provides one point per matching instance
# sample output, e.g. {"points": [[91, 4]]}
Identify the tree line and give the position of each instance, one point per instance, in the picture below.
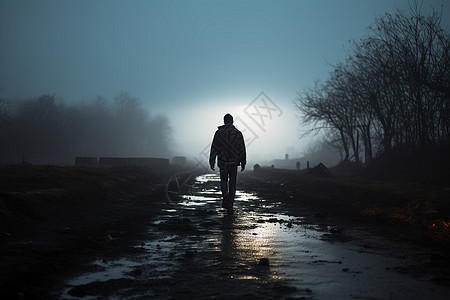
{"points": [[47, 130], [392, 92]]}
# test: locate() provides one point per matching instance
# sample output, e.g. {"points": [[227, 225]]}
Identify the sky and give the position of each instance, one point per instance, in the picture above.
{"points": [[193, 61]]}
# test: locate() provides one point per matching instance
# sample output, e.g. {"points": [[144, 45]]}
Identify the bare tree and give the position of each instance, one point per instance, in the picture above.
{"points": [[391, 92]]}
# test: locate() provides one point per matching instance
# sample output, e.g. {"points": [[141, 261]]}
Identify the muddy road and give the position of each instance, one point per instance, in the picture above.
{"points": [[194, 249]]}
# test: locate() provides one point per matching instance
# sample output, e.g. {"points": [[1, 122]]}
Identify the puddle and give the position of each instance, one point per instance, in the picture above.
{"points": [[197, 237], [107, 270]]}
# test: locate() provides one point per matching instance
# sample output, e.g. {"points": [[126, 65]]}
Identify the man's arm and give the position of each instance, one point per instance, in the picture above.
{"points": [[242, 152], [213, 152]]}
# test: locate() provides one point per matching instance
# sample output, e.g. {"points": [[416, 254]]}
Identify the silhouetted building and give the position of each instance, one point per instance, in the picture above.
{"points": [[85, 161]]}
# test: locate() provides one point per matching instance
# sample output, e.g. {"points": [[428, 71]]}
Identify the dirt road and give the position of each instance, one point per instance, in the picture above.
{"points": [[194, 249]]}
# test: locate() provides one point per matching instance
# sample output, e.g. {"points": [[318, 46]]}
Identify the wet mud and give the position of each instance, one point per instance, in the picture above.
{"points": [[194, 249]]}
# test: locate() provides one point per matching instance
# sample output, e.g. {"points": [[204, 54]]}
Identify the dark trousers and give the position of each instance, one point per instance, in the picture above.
{"points": [[228, 174]]}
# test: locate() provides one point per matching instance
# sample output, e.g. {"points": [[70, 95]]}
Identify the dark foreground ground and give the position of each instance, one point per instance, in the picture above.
{"points": [[56, 220]]}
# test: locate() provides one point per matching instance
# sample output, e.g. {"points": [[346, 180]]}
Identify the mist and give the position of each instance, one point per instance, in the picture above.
{"points": [[187, 62], [47, 130]]}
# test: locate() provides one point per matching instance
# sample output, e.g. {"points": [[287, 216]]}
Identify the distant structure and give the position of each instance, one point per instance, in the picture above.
{"points": [[113, 161], [85, 161], [290, 164]]}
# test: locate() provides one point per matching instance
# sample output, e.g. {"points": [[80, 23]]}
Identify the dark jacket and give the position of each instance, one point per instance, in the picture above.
{"points": [[228, 145]]}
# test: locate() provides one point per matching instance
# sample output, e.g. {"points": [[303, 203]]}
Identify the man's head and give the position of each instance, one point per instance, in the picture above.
{"points": [[228, 119]]}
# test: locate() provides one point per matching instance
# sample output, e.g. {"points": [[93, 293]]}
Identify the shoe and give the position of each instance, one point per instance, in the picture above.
{"points": [[229, 206], [225, 201]]}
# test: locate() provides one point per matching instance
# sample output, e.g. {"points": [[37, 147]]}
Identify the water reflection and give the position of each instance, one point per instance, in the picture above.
{"points": [[197, 230], [244, 238], [227, 243], [197, 238]]}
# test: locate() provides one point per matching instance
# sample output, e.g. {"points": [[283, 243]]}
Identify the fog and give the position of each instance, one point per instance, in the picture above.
{"points": [[183, 65], [195, 128], [48, 130]]}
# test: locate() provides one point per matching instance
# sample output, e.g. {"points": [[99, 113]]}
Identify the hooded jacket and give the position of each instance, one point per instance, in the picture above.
{"points": [[228, 145]]}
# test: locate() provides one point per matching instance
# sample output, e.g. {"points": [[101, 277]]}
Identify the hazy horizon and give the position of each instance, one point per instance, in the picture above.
{"points": [[192, 61]]}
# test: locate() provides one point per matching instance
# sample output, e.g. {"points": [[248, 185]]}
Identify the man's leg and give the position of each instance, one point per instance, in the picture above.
{"points": [[224, 185], [232, 176]]}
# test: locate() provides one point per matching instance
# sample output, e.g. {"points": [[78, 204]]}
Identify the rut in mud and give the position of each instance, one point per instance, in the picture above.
{"points": [[195, 249]]}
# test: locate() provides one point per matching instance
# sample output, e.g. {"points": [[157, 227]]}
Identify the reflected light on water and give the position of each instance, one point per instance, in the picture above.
{"points": [[207, 178], [231, 243], [196, 232], [245, 236]]}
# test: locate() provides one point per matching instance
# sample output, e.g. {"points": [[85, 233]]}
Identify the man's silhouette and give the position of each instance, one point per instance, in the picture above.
{"points": [[228, 145]]}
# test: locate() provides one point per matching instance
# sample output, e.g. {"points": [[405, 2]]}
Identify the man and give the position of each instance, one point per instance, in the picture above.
{"points": [[228, 145]]}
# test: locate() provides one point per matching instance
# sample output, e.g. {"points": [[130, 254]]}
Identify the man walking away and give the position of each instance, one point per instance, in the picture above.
{"points": [[228, 145]]}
